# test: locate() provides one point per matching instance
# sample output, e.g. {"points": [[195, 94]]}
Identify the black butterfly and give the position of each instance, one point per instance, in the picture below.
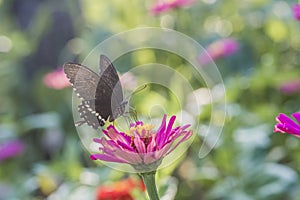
{"points": [[101, 95]]}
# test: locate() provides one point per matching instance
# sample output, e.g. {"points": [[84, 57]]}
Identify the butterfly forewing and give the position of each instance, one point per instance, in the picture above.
{"points": [[109, 94], [83, 80]]}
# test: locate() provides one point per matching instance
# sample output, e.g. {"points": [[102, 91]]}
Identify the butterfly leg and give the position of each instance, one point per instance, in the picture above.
{"points": [[133, 114], [132, 117]]}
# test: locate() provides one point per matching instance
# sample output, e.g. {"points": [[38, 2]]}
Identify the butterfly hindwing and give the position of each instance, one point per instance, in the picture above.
{"points": [[89, 115]]}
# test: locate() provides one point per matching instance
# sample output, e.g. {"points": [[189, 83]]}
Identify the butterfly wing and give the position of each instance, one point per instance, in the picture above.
{"points": [[84, 82], [102, 96], [109, 94], [90, 116]]}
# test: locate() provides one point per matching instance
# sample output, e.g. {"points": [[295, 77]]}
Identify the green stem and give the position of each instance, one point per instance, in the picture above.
{"points": [[149, 181]]}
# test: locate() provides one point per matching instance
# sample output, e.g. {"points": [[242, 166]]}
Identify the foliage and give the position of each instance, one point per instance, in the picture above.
{"points": [[249, 161]]}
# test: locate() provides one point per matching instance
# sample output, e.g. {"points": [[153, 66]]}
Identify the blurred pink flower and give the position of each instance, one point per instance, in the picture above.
{"points": [[9, 149], [296, 10], [290, 87], [141, 147], [164, 5], [56, 79], [287, 125], [219, 49]]}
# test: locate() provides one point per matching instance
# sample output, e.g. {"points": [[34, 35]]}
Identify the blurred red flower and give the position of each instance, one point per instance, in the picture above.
{"points": [[120, 190]]}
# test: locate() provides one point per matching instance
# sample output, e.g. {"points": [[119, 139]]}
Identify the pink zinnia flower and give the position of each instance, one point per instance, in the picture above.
{"points": [[141, 147], [296, 10], [287, 125], [163, 6], [56, 79], [290, 87], [10, 149], [219, 49]]}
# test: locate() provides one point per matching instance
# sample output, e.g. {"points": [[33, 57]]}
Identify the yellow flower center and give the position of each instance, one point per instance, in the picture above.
{"points": [[145, 130]]}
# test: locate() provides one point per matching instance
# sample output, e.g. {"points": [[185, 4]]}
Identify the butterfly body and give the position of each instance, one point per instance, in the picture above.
{"points": [[101, 95]]}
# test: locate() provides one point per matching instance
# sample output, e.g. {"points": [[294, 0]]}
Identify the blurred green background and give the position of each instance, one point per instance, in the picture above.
{"points": [[47, 159]]}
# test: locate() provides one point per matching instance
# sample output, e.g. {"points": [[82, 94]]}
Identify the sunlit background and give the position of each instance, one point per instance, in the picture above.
{"points": [[255, 45]]}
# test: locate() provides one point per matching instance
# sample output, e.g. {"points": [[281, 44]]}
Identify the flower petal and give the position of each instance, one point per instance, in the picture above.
{"points": [[105, 157], [97, 140], [140, 145], [278, 129], [184, 138], [163, 125], [282, 118], [160, 132], [150, 158], [297, 116], [151, 145], [287, 125], [162, 152], [125, 146], [113, 134], [130, 157], [170, 125], [287, 128]]}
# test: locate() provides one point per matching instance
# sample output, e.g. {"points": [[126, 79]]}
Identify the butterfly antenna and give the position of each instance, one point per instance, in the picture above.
{"points": [[136, 91], [132, 115]]}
